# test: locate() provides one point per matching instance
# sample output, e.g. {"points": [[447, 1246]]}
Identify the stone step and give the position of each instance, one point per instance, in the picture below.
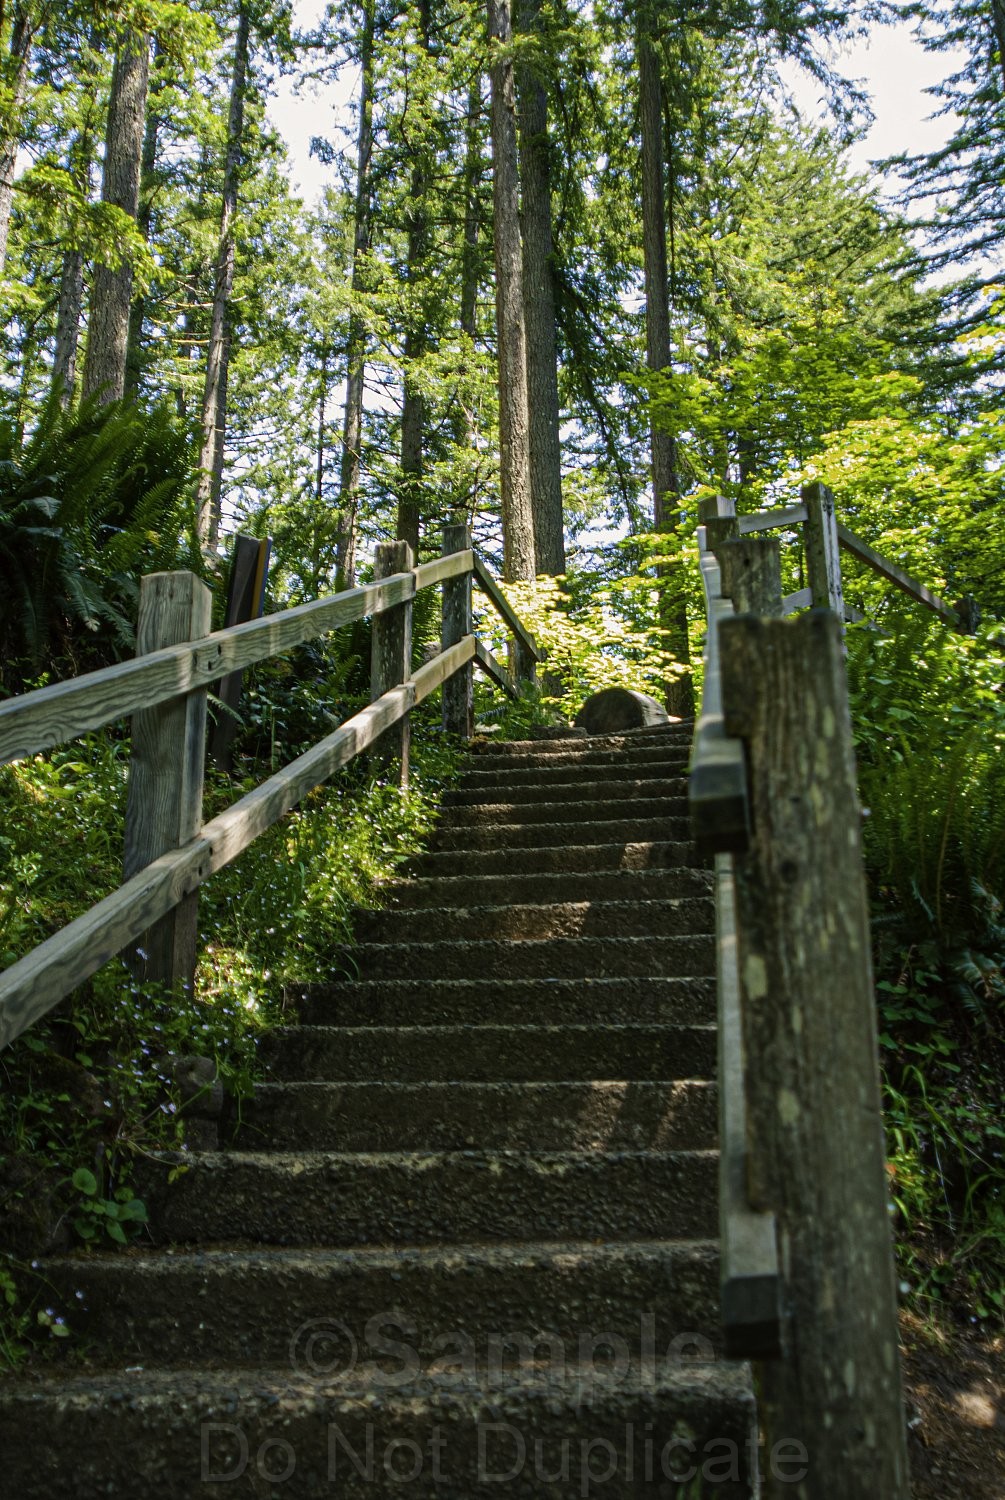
{"points": [[489, 1054], [329, 1310], [563, 771], [546, 889], [426, 1002], [630, 827], [662, 808], [551, 958], [581, 789], [329, 1198], [533, 1432], [451, 1116], [678, 735], [534, 923], [573, 857]]}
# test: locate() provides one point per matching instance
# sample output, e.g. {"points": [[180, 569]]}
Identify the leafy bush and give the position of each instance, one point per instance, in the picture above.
{"points": [[88, 502], [89, 1090], [597, 633], [929, 720]]}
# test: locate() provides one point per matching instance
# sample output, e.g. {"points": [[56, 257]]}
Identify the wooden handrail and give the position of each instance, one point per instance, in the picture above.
{"points": [[37, 982], [750, 1279], [790, 517], [898, 576], [34, 722], [181, 674], [489, 586], [807, 1270]]}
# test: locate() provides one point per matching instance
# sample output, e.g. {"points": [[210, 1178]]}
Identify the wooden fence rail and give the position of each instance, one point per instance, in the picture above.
{"points": [[807, 1260], [170, 853]]}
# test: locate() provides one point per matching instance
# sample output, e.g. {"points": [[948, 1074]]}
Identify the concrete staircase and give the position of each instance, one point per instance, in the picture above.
{"points": [[463, 1244]]}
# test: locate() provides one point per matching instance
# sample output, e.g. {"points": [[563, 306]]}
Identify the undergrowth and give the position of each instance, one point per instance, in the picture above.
{"points": [[929, 720], [92, 1088]]}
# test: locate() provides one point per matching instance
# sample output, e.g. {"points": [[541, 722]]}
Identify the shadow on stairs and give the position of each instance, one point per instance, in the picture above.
{"points": [[463, 1243]]}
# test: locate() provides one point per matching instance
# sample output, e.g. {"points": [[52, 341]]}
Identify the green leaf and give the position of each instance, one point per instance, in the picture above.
{"points": [[85, 1182]]}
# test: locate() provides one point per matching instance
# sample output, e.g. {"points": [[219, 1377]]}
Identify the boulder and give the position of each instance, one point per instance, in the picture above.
{"points": [[616, 709]]}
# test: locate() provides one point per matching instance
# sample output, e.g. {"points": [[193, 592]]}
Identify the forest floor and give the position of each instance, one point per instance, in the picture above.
{"points": [[954, 1379]]}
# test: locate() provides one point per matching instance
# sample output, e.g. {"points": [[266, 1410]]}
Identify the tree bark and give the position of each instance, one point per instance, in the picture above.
{"points": [[22, 31], [514, 421], [352, 426], [209, 492], [413, 415], [539, 316], [144, 220], [71, 301], [107, 335], [666, 480]]}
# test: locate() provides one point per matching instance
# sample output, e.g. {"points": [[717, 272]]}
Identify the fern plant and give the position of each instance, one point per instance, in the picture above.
{"points": [[88, 501]]}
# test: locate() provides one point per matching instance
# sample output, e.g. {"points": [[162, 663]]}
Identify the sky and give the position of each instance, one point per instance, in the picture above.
{"points": [[893, 65]]}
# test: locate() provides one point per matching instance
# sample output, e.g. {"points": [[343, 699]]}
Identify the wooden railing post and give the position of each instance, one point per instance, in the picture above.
{"points": [[164, 800], [752, 574], [823, 549], [391, 653], [718, 516], [458, 691], [816, 1150]]}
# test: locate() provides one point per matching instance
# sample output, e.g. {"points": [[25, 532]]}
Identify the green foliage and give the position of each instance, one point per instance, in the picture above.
{"points": [[90, 1090], [597, 632], [930, 730], [88, 501]]}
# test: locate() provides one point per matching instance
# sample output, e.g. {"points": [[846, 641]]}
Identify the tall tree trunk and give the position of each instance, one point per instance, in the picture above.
{"points": [[469, 251], [666, 481], [209, 492], [71, 302], [108, 330], [539, 316], [514, 420], [413, 414], [352, 423], [16, 63], [144, 219]]}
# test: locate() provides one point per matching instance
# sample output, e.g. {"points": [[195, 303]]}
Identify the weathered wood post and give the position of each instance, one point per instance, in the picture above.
{"points": [[164, 799], [391, 654], [718, 516], [816, 1151], [458, 691], [245, 600], [752, 574], [823, 549]]}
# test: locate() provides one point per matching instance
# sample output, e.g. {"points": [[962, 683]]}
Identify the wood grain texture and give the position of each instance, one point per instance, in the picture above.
{"points": [[391, 653], [491, 665], [443, 568], [823, 551], [816, 1151], [31, 987], [717, 784], [751, 1288], [36, 721], [458, 693], [166, 765], [785, 517], [897, 576], [492, 591], [751, 568]]}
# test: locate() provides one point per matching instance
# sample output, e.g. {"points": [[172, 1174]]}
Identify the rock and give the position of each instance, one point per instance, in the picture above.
{"points": [[616, 709]]}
